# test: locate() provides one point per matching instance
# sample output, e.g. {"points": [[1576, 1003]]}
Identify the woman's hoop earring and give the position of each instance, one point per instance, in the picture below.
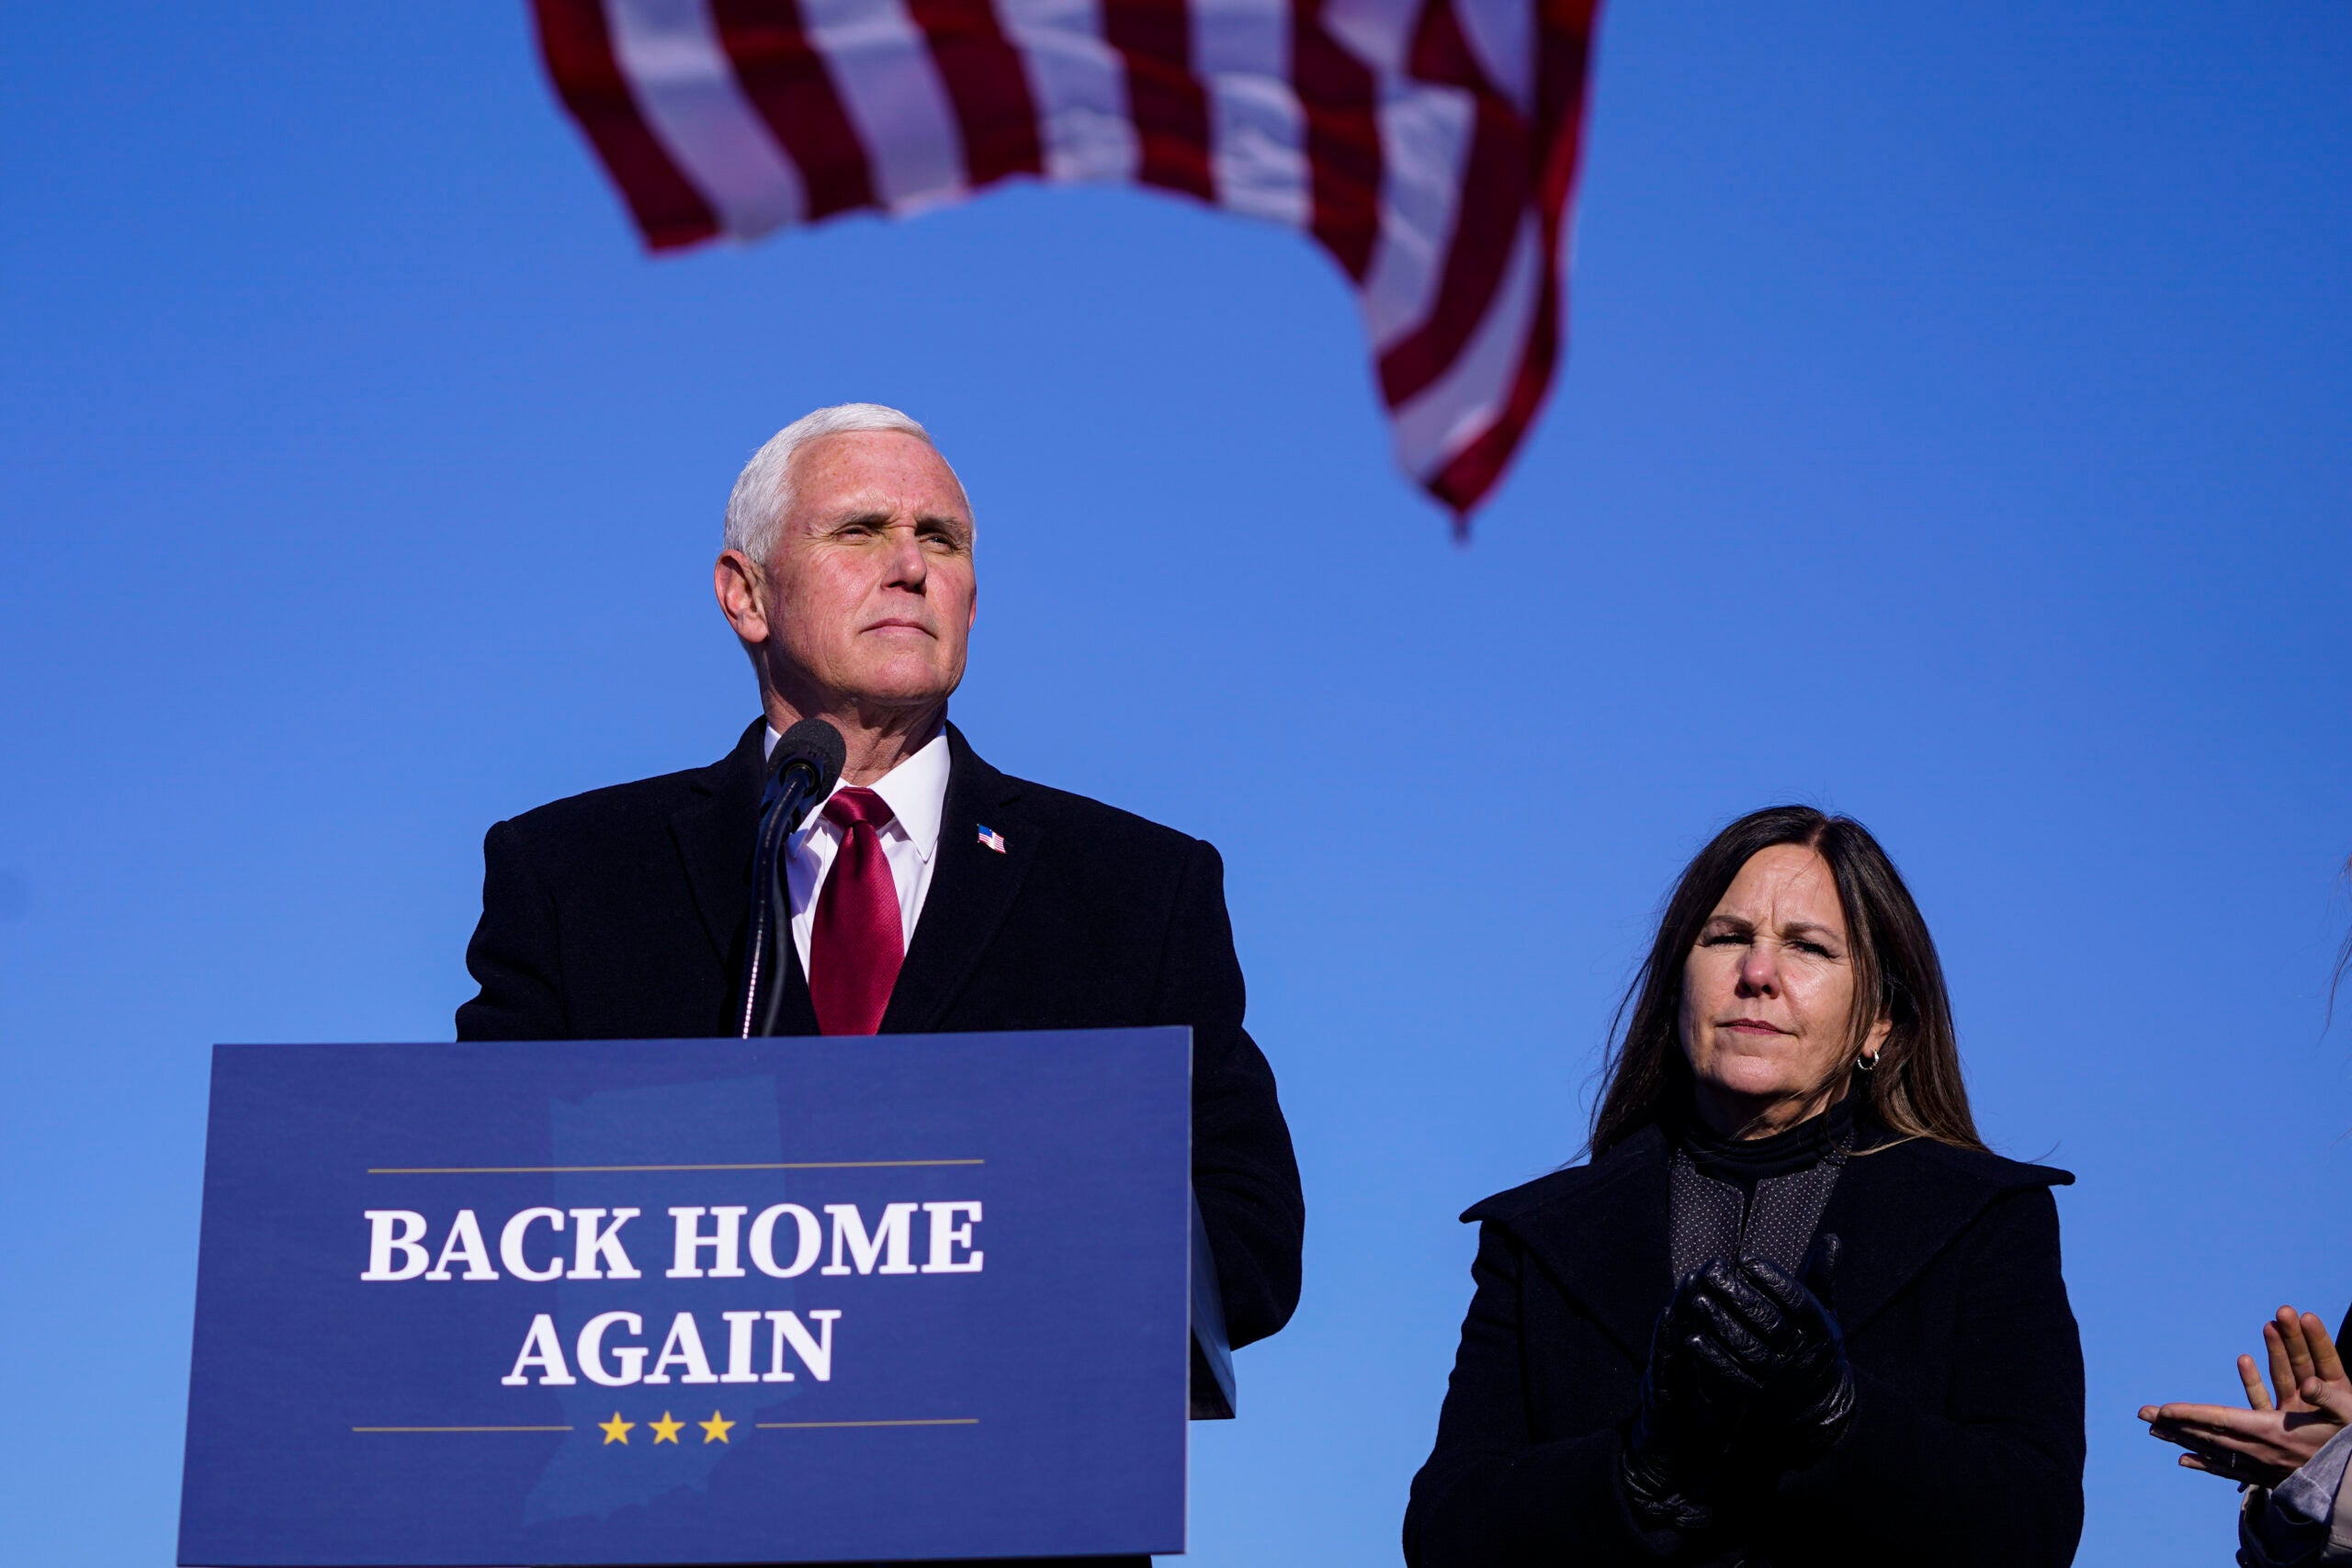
{"points": [[1866, 1062]]}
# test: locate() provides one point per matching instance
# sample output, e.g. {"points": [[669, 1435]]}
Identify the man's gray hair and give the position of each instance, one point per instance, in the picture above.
{"points": [[763, 492]]}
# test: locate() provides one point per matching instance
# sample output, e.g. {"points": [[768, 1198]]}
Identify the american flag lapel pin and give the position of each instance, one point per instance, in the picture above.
{"points": [[992, 838]]}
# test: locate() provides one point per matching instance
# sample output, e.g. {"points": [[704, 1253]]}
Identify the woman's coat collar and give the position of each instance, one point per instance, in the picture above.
{"points": [[1599, 1230]]}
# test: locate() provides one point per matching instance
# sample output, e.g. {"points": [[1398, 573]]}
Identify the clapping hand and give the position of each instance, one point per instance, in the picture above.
{"points": [[2271, 1439], [1683, 1427], [1774, 1340], [1744, 1358]]}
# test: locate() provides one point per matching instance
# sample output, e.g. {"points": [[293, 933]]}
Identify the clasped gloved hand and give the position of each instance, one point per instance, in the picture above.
{"points": [[1688, 1417], [1745, 1360], [1769, 1334]]}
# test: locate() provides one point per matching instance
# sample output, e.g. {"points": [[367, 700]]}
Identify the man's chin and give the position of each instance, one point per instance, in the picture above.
{"points": [[901, 694]]}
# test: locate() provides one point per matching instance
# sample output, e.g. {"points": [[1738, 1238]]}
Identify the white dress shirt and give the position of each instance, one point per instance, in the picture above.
{"points": [[916, 792]]}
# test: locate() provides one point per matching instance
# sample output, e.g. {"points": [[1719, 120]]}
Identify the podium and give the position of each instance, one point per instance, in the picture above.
{"points": [[807, 1300]]}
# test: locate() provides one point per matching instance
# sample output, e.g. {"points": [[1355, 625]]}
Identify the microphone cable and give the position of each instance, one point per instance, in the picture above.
{"points": [[806, 765]]}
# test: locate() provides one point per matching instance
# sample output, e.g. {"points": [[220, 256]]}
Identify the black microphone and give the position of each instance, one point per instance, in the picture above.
{"points": [[809, 756], [802, 770]]}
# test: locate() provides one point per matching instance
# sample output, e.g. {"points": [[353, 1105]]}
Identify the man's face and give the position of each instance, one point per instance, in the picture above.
{"points": [[870, 591]]}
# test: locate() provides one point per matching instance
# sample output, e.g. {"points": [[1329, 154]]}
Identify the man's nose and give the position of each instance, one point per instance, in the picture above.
{"points": [[909, 565]]}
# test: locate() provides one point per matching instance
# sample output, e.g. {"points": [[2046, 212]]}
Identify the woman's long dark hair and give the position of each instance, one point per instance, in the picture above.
{"points": [[2343, 968], [1917, 1089]]}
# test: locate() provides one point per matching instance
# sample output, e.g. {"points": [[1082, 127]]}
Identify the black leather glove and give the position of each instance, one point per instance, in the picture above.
{"points": [[1683, 1430], [1771, 1338]]}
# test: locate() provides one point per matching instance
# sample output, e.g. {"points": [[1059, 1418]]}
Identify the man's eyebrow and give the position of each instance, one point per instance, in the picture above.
{"points": [[879, 520]]}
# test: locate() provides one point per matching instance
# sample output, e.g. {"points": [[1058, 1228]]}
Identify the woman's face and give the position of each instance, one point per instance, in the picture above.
{"points": [[1768, 996]]}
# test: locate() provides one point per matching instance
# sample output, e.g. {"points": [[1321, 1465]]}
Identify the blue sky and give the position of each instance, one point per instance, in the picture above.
{"points": [[1952, 434]]}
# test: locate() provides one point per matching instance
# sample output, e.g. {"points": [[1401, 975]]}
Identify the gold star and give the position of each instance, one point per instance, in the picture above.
{"points": [[714, 1430], [616, 1430], [666, 1431]]}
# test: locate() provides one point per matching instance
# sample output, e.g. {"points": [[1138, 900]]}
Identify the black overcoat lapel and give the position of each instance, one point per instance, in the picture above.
{"points": [[716, 836], [1601, 1233], [798, 1013], [1897, 1207], [972, 888]]}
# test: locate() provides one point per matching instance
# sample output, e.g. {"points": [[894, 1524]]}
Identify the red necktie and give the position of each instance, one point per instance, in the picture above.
{"points": [[856, 943]]}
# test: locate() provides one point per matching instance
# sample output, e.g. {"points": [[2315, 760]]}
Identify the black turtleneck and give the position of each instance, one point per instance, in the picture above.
{"points": [[1750, 1160]]}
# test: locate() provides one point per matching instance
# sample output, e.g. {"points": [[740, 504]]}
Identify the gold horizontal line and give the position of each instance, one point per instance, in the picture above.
{"points": [[576, 1169], [801, 1425], [461, 1428]]}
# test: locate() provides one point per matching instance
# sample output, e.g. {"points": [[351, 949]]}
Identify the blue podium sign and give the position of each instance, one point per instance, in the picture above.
{"points": [[683, 1302]]}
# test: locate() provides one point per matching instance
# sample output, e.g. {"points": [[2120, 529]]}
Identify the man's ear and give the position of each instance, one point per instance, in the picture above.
{"points": [[743, 590]]}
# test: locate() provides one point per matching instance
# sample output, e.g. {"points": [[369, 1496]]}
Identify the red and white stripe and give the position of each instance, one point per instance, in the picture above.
{"points": [[1430, 146]]}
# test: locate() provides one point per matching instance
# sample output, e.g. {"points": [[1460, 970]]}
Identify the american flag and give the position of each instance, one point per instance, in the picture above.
{"points": [[1430, 146]]}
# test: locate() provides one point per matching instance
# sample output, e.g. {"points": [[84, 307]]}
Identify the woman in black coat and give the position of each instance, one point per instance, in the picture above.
{"points": [[1792, 1313]]}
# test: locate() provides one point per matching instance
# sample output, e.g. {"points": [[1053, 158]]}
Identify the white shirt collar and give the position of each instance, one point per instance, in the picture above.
{"points": [[915, 790]]}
